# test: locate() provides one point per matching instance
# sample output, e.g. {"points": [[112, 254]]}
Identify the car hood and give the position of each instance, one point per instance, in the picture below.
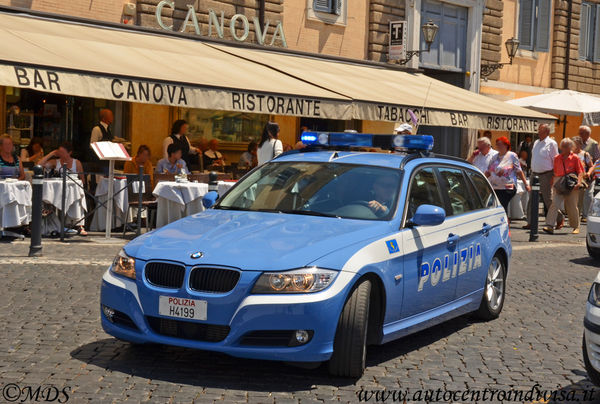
{"points": [[253, 240]]}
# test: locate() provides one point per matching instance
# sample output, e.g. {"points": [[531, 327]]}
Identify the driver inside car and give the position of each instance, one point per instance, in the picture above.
{"points": [[383, 195]]}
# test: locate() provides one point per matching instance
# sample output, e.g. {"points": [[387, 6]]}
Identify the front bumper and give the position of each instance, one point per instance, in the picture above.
{"points": [[318, 312], [592, 334], [593, 231]]}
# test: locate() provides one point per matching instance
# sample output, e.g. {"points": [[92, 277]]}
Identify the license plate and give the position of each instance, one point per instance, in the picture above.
{"points": [[182, 308]]}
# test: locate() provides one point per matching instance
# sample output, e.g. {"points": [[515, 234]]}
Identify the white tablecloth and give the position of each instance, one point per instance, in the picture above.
{"points": [[180, 199], [75, 204], [120, 203], [15, 203]]}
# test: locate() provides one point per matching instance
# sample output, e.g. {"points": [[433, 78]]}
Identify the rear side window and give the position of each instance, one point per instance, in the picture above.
{"points": [[486, 194], [458, 190], [424, 190]]}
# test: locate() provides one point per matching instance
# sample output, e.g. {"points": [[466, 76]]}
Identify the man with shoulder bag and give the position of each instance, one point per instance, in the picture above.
{"points": [[568, 179]]}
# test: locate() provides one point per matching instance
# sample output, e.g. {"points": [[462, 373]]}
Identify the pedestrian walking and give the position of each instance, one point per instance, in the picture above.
{"points": [[568, 177], [503, 171], [483, 154], [586, 192], [543, 152], [589, 144]]}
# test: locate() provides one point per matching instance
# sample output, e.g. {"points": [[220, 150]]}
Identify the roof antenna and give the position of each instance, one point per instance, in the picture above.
{"points": [[417, 122]]}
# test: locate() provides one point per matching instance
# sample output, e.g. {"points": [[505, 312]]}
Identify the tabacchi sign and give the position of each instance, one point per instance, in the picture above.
{"points": [[239, 26]]}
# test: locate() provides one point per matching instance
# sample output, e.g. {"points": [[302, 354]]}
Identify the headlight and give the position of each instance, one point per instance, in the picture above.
{"points": [[594, 297], [595, 210], [124, 265], [306, 280]]}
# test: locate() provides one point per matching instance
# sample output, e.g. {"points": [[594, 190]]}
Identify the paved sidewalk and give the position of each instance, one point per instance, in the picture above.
{"points": [[90, 250], [51, 335]]}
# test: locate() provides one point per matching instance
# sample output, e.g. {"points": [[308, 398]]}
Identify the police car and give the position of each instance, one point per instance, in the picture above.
{"points": [[591, 334], [593, 228], [317, 254]]}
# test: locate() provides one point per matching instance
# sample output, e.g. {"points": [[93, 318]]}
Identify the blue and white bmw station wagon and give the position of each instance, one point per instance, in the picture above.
{"points": [[317, 254]]}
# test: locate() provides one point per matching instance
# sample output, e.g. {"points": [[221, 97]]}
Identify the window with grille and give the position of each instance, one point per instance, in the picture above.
{"points": [[534, 25], [589, 32], [328, 6]]}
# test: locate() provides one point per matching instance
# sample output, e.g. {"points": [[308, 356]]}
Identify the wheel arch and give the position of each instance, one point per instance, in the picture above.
{"points": [[377, 307], [503, 255]]}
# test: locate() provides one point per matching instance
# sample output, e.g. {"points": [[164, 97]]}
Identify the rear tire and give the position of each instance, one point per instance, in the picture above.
{"points": [[350, 344], [594, 252], [493, 291], [593, 374]]}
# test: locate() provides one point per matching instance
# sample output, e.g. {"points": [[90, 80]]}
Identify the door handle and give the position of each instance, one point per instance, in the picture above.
{"points": [[486, 229], [452, 240]]}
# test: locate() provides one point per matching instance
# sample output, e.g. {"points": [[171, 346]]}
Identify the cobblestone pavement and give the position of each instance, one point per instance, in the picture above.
{"points": [[51, 335]]}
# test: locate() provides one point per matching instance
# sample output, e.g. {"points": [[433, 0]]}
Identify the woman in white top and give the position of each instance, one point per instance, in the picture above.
{"points": [[63, 155], [269, 146]]}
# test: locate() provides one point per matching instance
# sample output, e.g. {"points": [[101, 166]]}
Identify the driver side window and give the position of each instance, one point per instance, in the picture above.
{"points": [[424, 190]]}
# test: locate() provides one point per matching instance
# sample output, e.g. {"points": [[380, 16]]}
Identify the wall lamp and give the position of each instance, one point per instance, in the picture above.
{"points": [[430, 31], [512, 46]]}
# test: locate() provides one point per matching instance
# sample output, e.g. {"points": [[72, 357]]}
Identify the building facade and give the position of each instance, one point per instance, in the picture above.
{"points": [[469, 30], [559, 49]]}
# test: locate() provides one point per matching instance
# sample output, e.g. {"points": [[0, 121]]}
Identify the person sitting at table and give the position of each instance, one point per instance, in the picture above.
{"points": [[173, 164], [10, 165], [178, 137], [141, 159], [248, 159], [63, 156], [212, 157], [33, 152]]}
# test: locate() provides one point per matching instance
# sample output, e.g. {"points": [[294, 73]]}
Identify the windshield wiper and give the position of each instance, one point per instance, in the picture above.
{"points": [[309, 213], [232, 208]]}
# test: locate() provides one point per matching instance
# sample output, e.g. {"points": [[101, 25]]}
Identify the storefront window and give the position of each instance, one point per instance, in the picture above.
{"points": [[228, 127]]}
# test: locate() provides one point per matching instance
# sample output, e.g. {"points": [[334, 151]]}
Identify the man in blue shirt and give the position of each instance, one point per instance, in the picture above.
{"points": [[173, 164]]}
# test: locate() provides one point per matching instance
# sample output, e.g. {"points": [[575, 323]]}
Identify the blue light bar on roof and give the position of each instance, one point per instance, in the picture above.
{"points": [[331, 139]]}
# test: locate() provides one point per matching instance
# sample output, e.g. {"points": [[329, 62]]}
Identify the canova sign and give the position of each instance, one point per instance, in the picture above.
{"points": [[216, 24]]}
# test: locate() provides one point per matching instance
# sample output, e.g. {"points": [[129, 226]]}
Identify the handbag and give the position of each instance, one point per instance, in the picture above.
{"points": [[566, 183]]}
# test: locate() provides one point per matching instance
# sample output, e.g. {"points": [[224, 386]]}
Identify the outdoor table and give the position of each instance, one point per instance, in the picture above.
{"points": [[75, 204], [15, 203], [180, 199], [120, 204]]}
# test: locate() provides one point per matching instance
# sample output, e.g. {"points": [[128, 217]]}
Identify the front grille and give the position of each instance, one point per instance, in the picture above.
{"points": [[123, 319], [268, 338], [165, 275], [215, 280], [188, 330]]}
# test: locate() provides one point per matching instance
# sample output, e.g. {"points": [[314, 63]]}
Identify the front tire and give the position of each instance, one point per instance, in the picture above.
{"points": [[350, 344], [494, 291], [594, 252], [593, 374]]}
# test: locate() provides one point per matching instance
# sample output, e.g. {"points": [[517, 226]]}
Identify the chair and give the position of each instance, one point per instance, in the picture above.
{"points": [[149, 203], [204, 177], [163, 177]]}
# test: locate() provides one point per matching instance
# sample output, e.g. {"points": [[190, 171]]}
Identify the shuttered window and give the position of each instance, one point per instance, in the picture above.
{"points": [[328, 6], [589, 32], [534, 25]]}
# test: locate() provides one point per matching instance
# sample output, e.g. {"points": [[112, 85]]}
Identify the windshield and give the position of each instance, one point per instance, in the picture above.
{"points": [[321, 189]]}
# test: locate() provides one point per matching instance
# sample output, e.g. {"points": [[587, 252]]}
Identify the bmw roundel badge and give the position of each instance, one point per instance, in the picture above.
{"points": [[197, 254]]}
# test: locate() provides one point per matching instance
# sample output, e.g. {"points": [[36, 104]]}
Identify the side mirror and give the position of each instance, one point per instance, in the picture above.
{"points": [[428, 215], [210, 199]]}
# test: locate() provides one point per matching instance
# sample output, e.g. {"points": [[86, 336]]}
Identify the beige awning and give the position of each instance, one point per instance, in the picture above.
{"points": [[383, 94], [124, 65]]}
